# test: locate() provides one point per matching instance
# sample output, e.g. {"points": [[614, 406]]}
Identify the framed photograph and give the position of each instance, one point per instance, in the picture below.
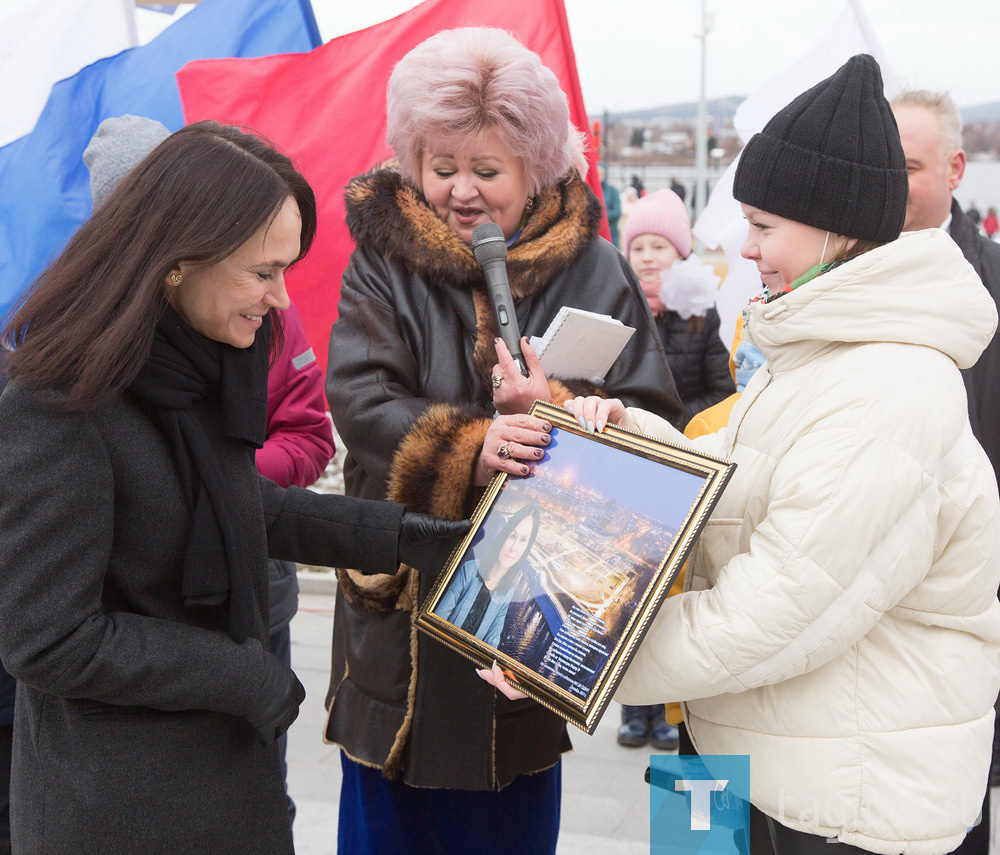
{"points": [[564, 569]]}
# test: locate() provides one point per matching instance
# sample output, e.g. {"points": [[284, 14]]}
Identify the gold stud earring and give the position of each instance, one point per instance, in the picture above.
{"points": [[530, 204], [175, 278]]}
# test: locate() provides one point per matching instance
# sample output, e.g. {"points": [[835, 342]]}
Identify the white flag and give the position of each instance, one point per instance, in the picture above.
{"points": [[721, 224], [44, 41]]}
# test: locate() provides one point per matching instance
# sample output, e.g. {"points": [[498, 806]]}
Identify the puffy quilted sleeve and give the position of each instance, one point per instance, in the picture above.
{"points": [[836, 548]]}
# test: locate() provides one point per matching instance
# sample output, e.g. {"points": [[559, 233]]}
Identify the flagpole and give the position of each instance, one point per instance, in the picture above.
{"points": [[701, 126], [130, 23]]}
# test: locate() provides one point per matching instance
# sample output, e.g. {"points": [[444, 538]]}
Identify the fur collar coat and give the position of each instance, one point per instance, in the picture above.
{"points": [[408, 384]]}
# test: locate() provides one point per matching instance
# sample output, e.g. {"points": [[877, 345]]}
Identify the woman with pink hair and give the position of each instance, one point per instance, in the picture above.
{"points": [[433, 759]]}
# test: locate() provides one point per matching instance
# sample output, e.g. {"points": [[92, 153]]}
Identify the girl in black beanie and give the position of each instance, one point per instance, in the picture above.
{"points": [[841, 625]]}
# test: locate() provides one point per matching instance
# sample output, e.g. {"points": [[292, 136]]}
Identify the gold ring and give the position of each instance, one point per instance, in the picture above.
{"points": [[503, 452], [496, 379]]}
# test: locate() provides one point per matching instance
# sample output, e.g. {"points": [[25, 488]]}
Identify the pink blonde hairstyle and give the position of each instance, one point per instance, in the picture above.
{"points": [[461, 82]]}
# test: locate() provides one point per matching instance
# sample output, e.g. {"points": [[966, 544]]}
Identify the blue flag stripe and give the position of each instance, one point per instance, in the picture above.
{"points": [[44, 185]]}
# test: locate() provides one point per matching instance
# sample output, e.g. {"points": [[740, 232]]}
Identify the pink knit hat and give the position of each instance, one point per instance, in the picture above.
{"points": [[660, 213]]}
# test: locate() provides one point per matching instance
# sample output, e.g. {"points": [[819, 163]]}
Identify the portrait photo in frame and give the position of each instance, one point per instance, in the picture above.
{"points": [[563, 570]]}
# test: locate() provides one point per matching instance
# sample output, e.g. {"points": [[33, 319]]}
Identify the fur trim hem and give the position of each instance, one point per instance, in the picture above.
{"points": [[379, 592], [395, 761]]}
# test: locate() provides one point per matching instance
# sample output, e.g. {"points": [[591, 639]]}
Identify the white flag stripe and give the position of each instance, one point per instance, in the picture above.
{"points": [[43, 42], [721, 224]]}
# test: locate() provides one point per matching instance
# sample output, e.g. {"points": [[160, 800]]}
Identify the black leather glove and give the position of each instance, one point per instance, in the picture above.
{"points": [[278, 701], [425, 541]]}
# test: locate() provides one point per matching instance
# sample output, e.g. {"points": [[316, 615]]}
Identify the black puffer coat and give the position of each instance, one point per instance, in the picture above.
{"points": [[699, 362], [408, 385]]}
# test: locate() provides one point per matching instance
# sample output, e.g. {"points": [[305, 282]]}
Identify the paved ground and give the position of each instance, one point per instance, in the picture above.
{"points": [[605, 800], [605, 807]]}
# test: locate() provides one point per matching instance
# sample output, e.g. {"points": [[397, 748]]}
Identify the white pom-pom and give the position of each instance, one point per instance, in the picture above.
{"points": [[689, 287]]}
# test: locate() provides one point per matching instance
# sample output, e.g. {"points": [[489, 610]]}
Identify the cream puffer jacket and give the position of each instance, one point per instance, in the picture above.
{"points": [[843, 628]]}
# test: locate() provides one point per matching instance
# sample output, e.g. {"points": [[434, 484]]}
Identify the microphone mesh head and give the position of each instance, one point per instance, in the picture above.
{"points": [[488, 243]]}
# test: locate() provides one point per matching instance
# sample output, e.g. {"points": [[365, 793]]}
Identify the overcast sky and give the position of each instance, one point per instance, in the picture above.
{"points": [[643, 53]]}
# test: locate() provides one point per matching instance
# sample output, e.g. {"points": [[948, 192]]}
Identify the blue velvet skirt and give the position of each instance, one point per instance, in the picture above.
{"points": [[381, 817]]}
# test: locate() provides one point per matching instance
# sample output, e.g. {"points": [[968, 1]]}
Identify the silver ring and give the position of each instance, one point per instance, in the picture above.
{"points": [[503, 452], [496, 380]]}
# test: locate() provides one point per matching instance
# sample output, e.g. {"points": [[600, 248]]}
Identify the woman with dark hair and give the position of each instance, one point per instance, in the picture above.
{"points": [[478, 596], [133, 581], [482, 134]]}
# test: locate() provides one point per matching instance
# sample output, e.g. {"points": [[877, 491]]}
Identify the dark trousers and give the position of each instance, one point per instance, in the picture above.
{"points": [[6, 750], [767, 836], [770, 837], [281, 647]]}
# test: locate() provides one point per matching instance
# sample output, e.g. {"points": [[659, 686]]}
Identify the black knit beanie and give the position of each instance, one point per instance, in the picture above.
{"points": [[831, 159]]}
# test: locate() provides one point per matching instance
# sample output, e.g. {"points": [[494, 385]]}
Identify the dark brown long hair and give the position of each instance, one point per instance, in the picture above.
{"points": [[492, 553], [85, 328]]}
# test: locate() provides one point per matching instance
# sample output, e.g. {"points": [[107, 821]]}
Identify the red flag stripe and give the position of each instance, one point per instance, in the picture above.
{"points": [[326, 110]]}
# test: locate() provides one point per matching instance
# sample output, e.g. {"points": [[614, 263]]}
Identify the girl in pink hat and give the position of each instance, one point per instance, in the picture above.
{"points": [[680, 290]]}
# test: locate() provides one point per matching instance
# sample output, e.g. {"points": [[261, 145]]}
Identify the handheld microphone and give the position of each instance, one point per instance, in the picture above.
{"points": [[490, 249]]}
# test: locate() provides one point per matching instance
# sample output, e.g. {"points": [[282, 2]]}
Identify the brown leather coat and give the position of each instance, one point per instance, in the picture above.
{"points": [[408, 385]]}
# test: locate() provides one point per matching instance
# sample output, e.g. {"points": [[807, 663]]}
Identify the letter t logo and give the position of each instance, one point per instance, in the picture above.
{"points": [[701, 800]]}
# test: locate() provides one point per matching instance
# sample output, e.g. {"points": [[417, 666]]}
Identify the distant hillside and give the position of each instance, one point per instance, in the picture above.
{"points": [[722, 109], [982, 113], [719, 108]]}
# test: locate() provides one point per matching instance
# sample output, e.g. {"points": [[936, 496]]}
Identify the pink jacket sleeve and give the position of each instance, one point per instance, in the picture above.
{"points": [[299, 441]]}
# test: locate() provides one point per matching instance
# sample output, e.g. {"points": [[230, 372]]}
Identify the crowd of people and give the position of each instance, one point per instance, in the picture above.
{"points": [[163, 412]]}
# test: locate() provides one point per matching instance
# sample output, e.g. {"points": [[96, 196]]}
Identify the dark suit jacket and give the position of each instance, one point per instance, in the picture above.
{"points": [[982, 381]]}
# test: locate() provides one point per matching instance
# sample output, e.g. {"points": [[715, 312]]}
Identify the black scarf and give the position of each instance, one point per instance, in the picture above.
{"points": [[184, 368]]}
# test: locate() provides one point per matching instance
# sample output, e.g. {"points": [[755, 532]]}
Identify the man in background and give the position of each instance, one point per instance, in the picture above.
{"points": [[930, 128]]}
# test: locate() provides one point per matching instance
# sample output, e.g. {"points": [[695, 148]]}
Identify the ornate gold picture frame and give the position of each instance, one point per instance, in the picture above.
{"points": [[563, 570]]}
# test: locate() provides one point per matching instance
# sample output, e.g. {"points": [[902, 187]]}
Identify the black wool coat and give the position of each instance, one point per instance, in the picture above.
{"points": [[7, 683], [129, 727], [409, 387]]}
